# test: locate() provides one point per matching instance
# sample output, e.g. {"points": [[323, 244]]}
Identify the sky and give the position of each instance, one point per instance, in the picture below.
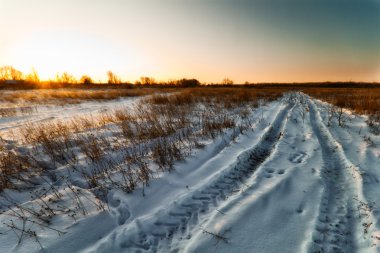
{"points": [[244, 40]]}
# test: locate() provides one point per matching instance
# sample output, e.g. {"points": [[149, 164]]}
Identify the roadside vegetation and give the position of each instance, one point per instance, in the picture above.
{"points": [[68, 96], [63, 164], [362, 100]]}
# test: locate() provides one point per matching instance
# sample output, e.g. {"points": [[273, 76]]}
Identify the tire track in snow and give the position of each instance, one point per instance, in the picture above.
{"points": [[157, 232], [337, 227]]}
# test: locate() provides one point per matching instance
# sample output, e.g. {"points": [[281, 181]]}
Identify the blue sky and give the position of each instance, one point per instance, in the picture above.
{"points": [[256, 40]]}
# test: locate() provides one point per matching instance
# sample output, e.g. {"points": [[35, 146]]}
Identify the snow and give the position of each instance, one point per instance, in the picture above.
{"points": [[289, 184], [44, 113]]}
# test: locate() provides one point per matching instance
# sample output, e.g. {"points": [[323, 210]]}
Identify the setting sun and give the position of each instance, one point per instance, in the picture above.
{"points": [[52, 52]]}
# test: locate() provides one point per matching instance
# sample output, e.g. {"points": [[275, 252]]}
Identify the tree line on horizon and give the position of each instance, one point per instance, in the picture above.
{"points": [[12, 76]]}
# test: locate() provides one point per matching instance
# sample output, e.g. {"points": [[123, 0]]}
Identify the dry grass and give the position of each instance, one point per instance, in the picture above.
{"points": [[113, 150], [226, 97], [66, 96], [9, 111], [163, 128], [16, 169], [360, 100]]}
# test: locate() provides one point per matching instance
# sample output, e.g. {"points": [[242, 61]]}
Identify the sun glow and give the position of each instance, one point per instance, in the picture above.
{"points": [[52, 52]]}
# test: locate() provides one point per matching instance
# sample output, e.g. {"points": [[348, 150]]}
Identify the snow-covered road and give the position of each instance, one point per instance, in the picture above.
{"points": [[287, 187], [292, 183]]}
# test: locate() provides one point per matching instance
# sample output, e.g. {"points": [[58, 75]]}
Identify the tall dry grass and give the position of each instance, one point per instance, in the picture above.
{"points": [[124, 149], [359, 99], [163, 128], [65, 96]]}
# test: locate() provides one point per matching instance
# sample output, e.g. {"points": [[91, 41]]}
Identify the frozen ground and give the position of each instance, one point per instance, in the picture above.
{"points": [[292, 183]]}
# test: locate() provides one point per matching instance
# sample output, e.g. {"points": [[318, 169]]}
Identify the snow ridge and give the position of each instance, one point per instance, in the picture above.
{"points": [[337, 229]]}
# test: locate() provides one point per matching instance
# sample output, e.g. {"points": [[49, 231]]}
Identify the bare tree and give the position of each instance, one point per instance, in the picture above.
{"points": [[10, 73], [65, 78], [86, 80], [188, 82], [147, 80], [227, 81], [113, 78]]}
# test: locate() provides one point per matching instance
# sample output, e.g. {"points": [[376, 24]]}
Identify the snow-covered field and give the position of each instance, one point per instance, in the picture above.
{"points": [[44, 113], [295, 181]]}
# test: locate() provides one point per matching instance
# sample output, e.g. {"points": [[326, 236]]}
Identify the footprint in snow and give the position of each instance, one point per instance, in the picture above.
{"points": [[270, 172], [118, 208], [298, 157]]}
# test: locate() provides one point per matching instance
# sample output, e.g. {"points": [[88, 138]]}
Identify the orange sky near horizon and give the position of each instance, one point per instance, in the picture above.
{"points": [[296, 41]]}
